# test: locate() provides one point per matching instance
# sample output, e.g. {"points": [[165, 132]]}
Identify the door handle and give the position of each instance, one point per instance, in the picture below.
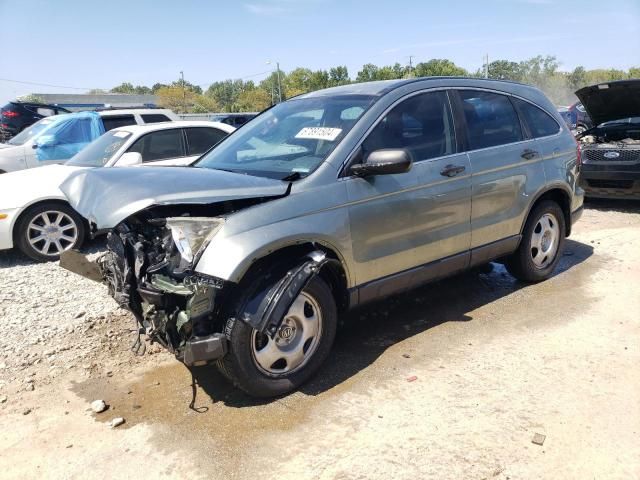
{"points": [[529, 154], [452, 170]]}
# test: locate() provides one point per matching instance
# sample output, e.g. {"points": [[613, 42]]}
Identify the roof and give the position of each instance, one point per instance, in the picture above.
{"points": [[152, 127], [120, 111], [381, 87]]}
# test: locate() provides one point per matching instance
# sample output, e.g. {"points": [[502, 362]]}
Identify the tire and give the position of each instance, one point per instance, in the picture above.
{"points": [[66, 231], [241, 364], [539, 252]]}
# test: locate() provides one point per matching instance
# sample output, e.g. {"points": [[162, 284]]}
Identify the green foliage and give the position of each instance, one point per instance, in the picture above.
{"points": [[238, 96], [31, 98]]}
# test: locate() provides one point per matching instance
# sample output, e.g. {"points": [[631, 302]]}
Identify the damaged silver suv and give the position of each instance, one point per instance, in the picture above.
{"points": [[326, 202]]}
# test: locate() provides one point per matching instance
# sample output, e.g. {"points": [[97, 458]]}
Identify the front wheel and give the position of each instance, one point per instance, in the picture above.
{"points": [[541, 244], [46, 230], [265, 367]]}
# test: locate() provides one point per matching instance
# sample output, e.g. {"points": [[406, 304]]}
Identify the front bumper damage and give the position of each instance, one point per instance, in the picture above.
{"points": [[181, 309]]}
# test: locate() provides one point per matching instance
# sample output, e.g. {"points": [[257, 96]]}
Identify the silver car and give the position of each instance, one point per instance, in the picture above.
{"points": [[326, 202]]}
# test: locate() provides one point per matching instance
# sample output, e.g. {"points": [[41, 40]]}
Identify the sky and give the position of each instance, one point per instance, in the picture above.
{"points": [[99, 44]]}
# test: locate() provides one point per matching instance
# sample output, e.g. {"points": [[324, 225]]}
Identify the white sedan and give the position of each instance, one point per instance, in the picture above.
{"points": [[34, 213]]}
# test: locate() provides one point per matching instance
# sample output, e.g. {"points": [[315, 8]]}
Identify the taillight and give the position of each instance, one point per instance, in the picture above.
{"points": [[10, 114]]}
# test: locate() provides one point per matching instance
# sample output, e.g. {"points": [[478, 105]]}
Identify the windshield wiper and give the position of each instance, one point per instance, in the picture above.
{"points": [[292, 177]]}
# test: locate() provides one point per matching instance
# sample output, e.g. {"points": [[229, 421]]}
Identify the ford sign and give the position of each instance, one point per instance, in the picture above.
{"points": [[611, 155]]}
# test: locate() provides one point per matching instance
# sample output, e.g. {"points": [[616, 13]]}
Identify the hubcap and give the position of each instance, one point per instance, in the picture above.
{"points": [[295, 342], [544, 240], [52, 232]]}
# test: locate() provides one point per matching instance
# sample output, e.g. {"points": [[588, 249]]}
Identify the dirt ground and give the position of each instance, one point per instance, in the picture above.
{"points": [[495, 362]]}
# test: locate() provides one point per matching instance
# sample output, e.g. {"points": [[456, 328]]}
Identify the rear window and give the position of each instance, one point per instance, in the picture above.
{"points": [[540, 123], [202, 139], [491, 119], [155, 118], [114, 121]]}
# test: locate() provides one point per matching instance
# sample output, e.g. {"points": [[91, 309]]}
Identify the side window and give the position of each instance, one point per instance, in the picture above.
{"points": [[422, 124], [202, 139], [114, 121], [76, 131], [154, 118], [159, 145], [540, 123], [45, 112], [491, 119]]}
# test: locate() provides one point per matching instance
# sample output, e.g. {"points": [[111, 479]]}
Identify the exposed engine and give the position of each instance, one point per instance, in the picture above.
{"points": [[148, 270], [619, 142]]}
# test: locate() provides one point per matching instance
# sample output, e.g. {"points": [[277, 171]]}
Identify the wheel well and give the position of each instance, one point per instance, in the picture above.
{"points": [[561, 198], [333, 273]]}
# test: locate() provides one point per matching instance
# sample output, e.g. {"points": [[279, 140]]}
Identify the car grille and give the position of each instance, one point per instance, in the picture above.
{"points": [[597, 155], [622, 184]]}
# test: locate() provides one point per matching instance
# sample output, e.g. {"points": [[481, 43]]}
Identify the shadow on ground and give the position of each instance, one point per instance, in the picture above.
{"points": [[612, 205], [367, 332]]}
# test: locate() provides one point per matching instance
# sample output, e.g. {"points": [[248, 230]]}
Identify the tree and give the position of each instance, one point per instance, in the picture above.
{"points": [[437, 67], [339, 76], [185, 100], [254, 100], [504, 70], [97, 91], [33, 98], [124, 87], [634, 72]]}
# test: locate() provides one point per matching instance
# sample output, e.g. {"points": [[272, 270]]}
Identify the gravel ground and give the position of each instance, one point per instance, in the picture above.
{"points": [[457, 379], [55, 321]]}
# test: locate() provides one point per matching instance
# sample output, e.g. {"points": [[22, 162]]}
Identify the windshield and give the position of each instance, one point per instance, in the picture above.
{"points": [[33, 131], [100, 151], [292, 138]]}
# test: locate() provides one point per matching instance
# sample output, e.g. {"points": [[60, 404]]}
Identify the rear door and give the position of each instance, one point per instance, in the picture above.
{"points": [[407, 220], [201, 139], [114, 121], [507, 167]]}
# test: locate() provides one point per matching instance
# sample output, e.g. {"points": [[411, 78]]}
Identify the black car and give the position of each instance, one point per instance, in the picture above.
{"points": [[16, 116], [234, 119], [580, 118], [611, 149]]}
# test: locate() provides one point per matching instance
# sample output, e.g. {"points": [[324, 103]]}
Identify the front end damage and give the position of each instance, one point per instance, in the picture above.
{"points": [[149, 269]]}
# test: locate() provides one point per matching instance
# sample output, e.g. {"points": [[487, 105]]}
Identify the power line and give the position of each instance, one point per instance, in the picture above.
{"points": [[43, 84]]}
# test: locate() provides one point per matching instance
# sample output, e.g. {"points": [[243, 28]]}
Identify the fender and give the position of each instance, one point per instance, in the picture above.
{"points": [[268, 302]]}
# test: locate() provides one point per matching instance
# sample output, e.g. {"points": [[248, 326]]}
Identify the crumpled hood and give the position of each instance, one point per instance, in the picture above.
{"points": [[606, 102], [107, 196], [26, 186]]}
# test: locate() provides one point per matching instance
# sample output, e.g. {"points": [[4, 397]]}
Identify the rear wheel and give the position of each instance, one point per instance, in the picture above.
{"points": [[541, 244], [263, 366], [46, 230]]}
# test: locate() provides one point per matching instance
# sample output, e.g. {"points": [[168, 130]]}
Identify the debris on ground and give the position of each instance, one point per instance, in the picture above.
{"points": [[26, 411], [116, 422], [98, 406], [406, 355], [538, 439], [412, 378]]}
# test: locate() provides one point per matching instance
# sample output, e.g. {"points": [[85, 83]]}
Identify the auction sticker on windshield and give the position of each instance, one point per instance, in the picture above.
{"points": [[319, 133]]}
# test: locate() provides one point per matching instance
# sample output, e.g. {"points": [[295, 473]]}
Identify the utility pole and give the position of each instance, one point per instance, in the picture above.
{"points": [[184, 93], [486, 66], [279, 84], [411, 65]]}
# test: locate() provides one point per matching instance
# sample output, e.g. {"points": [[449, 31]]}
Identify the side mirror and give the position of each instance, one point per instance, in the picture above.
{"points": [[45, 141], [129, 159], [384, 162]]}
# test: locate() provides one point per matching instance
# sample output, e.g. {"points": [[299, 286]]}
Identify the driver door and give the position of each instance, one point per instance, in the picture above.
{"points": [[403, 224]]}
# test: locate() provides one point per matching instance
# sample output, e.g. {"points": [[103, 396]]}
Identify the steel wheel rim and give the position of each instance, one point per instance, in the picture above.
{"points": [[52, 232], [295, 342], [545, 239]]}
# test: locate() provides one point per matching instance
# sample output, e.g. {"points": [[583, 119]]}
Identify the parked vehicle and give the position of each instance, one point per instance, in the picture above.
{"points": [[16, 116], [325, 202], [56, 139], [568, 117], [34, 213], [580, 118], [611, 150], [234, 119]]}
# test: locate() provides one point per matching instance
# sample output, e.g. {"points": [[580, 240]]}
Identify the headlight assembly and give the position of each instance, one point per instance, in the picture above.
{"points": [[191, 233]]}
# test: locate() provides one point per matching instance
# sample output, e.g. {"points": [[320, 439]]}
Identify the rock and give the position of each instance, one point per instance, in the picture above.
{"points": [[26, 411], [3, 399], [98, 406], [538, 439], [30, 387], [406, 355], [116, 422], [81, 313]]}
